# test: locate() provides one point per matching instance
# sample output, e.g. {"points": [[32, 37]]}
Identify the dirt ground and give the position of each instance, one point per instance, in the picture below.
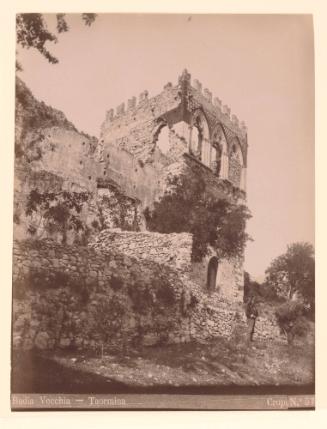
{"points": [[219, 363]]}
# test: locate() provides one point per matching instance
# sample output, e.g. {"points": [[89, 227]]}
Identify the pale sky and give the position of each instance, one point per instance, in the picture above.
{"points": [[260, 65]]}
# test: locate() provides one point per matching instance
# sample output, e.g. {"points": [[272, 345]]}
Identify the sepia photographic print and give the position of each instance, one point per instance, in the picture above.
{"points": [[163, 242]]}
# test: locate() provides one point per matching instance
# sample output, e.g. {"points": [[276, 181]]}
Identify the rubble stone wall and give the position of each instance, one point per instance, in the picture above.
{"points": [[173, 250], [76, 296], [229, 280], [68, 296]]}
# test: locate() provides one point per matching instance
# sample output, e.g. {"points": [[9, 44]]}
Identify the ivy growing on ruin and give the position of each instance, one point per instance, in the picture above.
{"points": [[51, 213], [186, 206]]}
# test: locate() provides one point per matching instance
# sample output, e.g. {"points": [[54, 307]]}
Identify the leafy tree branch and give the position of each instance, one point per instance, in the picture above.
{"points": [[32, 32]]}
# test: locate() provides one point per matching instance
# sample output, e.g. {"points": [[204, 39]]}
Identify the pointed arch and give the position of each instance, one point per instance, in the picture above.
{"points": [[237, 169], [220, 145], [199, 138], [235, 150]]}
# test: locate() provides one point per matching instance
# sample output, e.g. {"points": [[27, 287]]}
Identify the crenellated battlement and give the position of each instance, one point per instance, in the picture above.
{"points": [[178, 93], [223, 111]]}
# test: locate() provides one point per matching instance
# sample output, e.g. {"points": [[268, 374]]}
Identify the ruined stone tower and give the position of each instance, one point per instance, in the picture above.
{"points": [[144, 148], [183, 127], [181, 120]]}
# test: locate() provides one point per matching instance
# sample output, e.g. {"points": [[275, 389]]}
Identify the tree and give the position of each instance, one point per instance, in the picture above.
{"points": [[32, 32], [294, 272], [51, 212], [186, 206]]}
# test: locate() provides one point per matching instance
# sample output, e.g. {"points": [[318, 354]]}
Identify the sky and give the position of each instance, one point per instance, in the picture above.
{"points": [[262, 66]]}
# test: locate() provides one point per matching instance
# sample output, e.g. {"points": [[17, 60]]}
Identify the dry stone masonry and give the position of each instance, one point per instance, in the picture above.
{"points": [[172, 250], [70, 296]]}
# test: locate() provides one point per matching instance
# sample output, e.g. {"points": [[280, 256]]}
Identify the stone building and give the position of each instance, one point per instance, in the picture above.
{"points": [[150, 276], [182, 129]]}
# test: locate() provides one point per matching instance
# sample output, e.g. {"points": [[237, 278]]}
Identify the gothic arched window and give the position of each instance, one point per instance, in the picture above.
{"points": [[236, 171], [220, 158], [199, 141]]}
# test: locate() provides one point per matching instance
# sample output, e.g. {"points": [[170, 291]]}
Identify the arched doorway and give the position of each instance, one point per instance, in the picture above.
{"points": [[212, 273]]}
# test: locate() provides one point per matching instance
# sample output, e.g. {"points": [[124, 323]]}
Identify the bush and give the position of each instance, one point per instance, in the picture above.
{"points": [[291, 319], [165, 294]]}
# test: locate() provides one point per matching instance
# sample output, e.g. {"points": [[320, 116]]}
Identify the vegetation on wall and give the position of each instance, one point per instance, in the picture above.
{"points": [[186, 206], [51, 213], [119, 209]]}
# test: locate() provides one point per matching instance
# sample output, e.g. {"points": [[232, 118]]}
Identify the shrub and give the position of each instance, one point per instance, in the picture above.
{"points": [[165, 294], [291, 320]]}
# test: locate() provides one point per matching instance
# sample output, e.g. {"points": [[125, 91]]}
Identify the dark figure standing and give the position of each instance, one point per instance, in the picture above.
{"points": [[251, 315]]}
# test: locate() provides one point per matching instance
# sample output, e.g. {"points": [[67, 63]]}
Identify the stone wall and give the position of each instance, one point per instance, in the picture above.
{"points": [[106, 207], [266, 328], [229, 280], [134, 128], [68, 296], [75, 296], [136, 179], [70, 155], [172, 250]]}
